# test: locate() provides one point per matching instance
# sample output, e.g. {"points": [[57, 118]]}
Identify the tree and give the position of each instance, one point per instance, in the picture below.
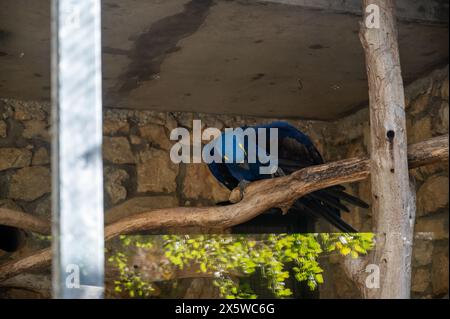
{"points": [[393, 200], [226, 258]]}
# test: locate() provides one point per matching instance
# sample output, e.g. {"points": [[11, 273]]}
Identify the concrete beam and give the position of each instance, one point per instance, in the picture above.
{"points": [[425, 11]]}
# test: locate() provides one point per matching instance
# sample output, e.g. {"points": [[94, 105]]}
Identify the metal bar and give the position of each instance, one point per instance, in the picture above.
{"points": [[78, 242]]}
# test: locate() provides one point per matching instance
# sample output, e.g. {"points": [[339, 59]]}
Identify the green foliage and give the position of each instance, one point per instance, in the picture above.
{"points": [[137, 240], [228, 256], [42, 238], [129, 280]]}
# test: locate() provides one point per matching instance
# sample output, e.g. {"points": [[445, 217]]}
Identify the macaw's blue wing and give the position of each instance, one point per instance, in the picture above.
{"points": [[295, 151], [221, 171]]}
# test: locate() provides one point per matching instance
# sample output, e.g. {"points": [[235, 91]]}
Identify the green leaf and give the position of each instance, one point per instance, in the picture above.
{"points": [[319, 278], [345, 251]]}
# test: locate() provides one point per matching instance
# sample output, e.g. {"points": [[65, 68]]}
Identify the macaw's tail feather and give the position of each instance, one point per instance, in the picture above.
{"points": [[329, 200], [339, 193], [320, 210]]}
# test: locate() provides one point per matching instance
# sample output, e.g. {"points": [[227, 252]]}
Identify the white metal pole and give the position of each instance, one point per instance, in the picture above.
{"points": [[77, 193]]}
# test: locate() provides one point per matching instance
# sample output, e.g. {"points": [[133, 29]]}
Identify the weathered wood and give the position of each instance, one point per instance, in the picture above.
{"points": [[37, 260], [24, 221], [258, 197], [392, 201], [428, 152], [355, 269], [39, 284]]}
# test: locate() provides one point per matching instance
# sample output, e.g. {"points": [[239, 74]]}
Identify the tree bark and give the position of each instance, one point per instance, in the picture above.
{"points": [[24, 221], [392, 199], [258, 197], [356, 269], [40, 284]]}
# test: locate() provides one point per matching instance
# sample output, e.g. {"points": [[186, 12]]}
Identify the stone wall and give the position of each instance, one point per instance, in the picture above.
{"points": [[137, 169], [24, 167], [139, 175]]}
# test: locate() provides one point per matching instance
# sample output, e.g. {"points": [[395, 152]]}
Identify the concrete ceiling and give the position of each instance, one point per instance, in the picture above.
{"points": [[286, 58]]}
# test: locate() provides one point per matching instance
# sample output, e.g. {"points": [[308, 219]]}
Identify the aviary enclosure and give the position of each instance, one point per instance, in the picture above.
{"points": [[123, 172]]}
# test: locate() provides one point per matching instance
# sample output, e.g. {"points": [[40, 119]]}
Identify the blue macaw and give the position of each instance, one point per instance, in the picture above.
{"points": [[295, 151]]}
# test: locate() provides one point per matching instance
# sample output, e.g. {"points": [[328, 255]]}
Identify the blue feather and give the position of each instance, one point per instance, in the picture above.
{"points": [[295, 151]]}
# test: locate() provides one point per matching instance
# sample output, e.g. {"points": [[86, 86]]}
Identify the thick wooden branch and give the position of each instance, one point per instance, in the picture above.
{"points": [[258, 197], [431, 151], [39, 284], [24, 221], [37, 260]]}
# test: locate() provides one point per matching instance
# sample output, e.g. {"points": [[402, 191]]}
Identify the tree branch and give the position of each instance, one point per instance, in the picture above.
{"points": [[40, 284], [37, 260], [24, 221], [258, 197]]}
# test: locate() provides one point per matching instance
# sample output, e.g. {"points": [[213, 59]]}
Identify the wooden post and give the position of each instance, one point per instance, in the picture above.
{"points": [[393, 203]]}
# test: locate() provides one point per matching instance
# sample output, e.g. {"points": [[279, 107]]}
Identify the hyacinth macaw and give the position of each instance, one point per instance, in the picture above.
{"points": [[295, 151]]}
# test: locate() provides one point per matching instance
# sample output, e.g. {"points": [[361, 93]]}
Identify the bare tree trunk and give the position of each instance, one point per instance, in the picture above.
{"points": [[393, 204]]}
